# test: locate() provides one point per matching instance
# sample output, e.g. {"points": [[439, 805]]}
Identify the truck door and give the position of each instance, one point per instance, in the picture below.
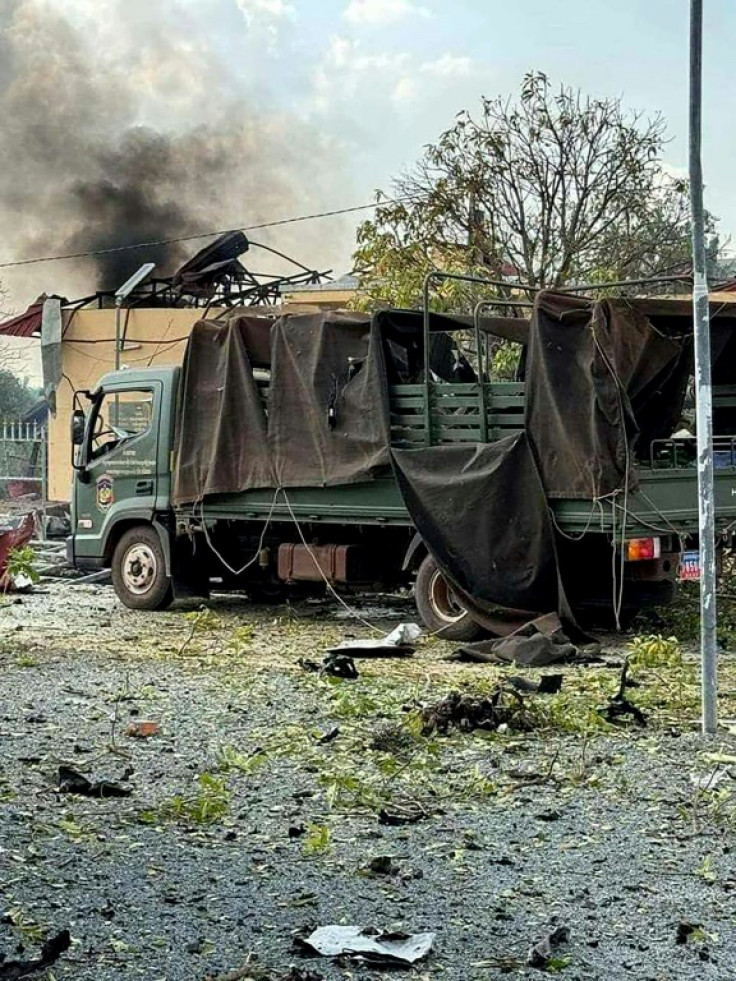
{"points": [[120, 478]]}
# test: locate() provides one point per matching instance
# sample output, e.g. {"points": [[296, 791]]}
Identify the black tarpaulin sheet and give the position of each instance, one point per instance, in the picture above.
{"points": [[603, 378], [221, 443], [601, 381], [481, 510], [328, 417]]}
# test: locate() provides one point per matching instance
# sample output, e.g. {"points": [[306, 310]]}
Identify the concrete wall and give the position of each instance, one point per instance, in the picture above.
{"points": [[153, 337]]}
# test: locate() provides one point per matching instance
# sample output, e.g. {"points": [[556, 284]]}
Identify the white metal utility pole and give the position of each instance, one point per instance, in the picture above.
{"points": [[703, 392]]}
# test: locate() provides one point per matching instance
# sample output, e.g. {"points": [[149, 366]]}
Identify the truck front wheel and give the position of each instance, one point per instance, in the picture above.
{"points": [[438, 607], [139, 570]]}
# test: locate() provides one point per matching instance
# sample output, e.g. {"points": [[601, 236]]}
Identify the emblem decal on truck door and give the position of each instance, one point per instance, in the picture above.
{"points": [[105, 492]]}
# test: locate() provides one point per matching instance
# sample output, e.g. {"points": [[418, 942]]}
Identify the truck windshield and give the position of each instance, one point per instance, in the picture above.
{"points": [[119, 416]]}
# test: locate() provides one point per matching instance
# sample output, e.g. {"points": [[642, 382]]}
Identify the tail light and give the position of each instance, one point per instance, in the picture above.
{"points": [[641, 549]]}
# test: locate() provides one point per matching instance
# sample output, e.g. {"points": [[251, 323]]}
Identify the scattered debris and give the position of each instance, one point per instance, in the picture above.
{"points": [[334, 664], [142, 729], [685, 931], [548, 684], [51, 951], [391, 737], [297, 974], [399, 643], [340, 666], [337, 665], [381, 865], [504, 707], [327, 737], [71, 781], [709, 781], [543, 952], [400, 814], [371, 946], [618, 705]]}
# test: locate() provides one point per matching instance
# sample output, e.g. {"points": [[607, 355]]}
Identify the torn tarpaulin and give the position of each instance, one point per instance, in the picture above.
{"points": [[481, 510], [537, 643], [372, 946]]}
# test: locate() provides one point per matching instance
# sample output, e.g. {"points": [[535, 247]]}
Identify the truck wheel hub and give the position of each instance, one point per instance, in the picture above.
{"points": [[139, 568], [444, 603]]}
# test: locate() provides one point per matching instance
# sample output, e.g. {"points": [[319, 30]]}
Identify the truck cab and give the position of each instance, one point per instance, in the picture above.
{"points": [[122, 434]]}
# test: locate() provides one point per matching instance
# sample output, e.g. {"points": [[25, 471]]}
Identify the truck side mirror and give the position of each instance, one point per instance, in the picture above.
{"points": [[77, 424]]}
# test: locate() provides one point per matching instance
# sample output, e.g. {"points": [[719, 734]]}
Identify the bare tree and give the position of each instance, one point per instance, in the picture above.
{"points": [[14, 363], [550, 187]]}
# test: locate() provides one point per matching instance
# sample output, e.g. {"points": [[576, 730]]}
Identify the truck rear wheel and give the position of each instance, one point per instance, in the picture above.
{"points": [[139, 570], [441, 611]]}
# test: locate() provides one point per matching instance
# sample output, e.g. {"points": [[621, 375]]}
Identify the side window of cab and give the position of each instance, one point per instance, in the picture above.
{"points": [[118, 418]]}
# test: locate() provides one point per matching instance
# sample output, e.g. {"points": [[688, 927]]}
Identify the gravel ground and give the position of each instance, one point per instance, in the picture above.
{"points": [[574, 823]]}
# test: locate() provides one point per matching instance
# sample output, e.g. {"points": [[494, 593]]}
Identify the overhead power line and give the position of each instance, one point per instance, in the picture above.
{"points": [[200, 235]]}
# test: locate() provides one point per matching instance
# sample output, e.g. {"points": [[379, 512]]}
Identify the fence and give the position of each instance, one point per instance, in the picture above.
{"points": [[23, 460]]}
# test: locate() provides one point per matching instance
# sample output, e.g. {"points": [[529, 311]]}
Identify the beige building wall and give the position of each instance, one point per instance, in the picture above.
{"points": [[322, 299], [153, 337]]}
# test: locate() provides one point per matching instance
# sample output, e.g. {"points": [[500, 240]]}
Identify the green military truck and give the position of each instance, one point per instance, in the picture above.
{"points": [[140, 436]]}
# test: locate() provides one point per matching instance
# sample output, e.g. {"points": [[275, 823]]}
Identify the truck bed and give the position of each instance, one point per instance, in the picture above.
{"points": [[665, 503]]}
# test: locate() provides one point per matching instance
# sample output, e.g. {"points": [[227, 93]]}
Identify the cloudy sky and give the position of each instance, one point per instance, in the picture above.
{"points": [[336, 95], [383, 77]]}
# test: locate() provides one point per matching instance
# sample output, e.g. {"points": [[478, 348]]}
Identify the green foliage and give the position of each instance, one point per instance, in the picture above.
{"points": [[655, 651], [240, 639], [209, 804], [549, 187], [682, 618], [26, 660], [203, 619], [707, 870], [15, 395], [73, 829], [229, 759], [504, 361], [25, 925], [200, 621], [318, 840], [21, 564], [558, 963]]}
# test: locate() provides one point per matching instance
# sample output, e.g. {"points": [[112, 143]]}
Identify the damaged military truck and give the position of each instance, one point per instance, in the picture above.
{"points": [[344, 451]]}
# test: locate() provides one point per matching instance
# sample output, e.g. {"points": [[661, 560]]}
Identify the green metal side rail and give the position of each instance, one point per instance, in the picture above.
{"points": [[459, 413], [665, 502]]}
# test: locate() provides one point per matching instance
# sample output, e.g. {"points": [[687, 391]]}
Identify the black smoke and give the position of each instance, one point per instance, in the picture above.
{"points": [[141, 138]]}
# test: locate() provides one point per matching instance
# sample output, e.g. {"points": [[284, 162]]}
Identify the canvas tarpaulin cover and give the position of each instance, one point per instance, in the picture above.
{"points": [[481, 509], [602, 382], [221, 442], [327, 419], [603, 379]]}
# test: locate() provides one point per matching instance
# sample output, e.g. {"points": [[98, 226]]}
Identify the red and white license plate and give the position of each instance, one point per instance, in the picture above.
{"points": [[689, 567]]}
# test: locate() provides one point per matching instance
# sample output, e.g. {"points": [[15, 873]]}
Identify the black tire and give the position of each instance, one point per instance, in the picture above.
{"points": [[139, 570], [438, 608]]}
